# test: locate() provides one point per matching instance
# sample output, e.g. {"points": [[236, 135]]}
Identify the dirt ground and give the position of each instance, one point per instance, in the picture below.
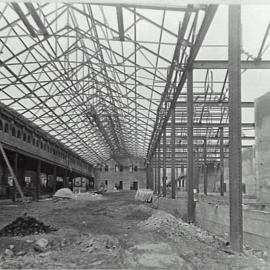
{"points": [[116, 233]]}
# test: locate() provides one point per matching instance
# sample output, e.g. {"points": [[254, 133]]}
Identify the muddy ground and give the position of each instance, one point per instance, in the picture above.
{"points": [[116, 233]]}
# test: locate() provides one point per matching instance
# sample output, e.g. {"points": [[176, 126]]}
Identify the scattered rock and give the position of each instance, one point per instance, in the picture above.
{"points": [[29, 241], [21, 253], [8, 252], [25, 225], [41, 244], [45, 254]]}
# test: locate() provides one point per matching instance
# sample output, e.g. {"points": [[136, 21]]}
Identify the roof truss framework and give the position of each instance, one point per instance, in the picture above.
{"points": [[91, 75]]}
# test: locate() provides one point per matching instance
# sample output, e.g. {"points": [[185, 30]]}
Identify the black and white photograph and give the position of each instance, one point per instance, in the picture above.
{"points": [[135, 134]]}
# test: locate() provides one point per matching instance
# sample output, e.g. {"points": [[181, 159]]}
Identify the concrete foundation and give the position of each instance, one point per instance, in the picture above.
{"points": [[214, 217], [262, 120]]}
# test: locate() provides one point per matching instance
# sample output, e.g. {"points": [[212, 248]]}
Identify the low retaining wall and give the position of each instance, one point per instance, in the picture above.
{"points": [[214, 217]]}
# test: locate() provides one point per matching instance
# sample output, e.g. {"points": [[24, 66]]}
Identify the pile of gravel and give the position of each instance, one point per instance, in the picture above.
{"points": [[25, 225], [160, 220]]}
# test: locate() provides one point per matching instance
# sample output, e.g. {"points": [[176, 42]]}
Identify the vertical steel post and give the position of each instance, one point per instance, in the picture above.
{"points": [[190, 214], [221, 166], [54, 178], [156, 173], [235, 158], [151, 186], [38, 180], [164, 164], [15, 170], [173, 153], [182, 178], [205, 176], [159, 166]]}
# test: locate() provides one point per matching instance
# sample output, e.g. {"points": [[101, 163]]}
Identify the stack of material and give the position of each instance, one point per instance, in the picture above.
{"points": [[144, 195], [25, 225], [64, 193]]}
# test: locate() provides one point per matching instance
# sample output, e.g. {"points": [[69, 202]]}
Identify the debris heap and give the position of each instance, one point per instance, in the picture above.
{"points": [[25, 225]]}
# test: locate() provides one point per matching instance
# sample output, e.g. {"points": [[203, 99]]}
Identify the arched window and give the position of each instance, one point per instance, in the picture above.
{"points": [[6, 129], [34, 141], [106, 168], [1, 125], [19, 134], [13, 132], [135, 168], [24, 137], [29, 139]]}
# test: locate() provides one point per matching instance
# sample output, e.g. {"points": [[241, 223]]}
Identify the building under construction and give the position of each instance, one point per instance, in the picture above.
{"points": [[134, 135]]}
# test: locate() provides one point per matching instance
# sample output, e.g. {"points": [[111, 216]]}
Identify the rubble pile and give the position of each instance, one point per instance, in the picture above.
{"points": [[171, 226], [99, 244], [160, 220], [25, 225]]}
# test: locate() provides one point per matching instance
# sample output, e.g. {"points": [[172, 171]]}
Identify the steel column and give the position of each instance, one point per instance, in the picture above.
{"points": [[164, 164], [221, 165], [190, 214], [173, 153], [38, 180], [151, 183], [235, 158], [54, 178], [159, 166], [156, 169], [205, 176], [15, 170], [182, 174]]}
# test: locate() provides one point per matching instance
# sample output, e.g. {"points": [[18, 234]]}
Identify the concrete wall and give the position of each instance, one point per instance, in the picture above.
{"points": [[214, 217], [262, 120], [127, 176], [248, 171]]}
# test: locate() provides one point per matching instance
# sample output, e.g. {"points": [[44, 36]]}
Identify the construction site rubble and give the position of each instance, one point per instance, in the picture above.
{"points": [[41, 244], [171, 226], [25, 225]]}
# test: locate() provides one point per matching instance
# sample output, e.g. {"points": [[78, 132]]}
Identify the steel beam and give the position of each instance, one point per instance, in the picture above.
{"points": [[209, 125], [173, 153], [214, 64], [37, 19], [24, 19], [190, 214], [120, 22], [235, 158], [244, 104]]}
